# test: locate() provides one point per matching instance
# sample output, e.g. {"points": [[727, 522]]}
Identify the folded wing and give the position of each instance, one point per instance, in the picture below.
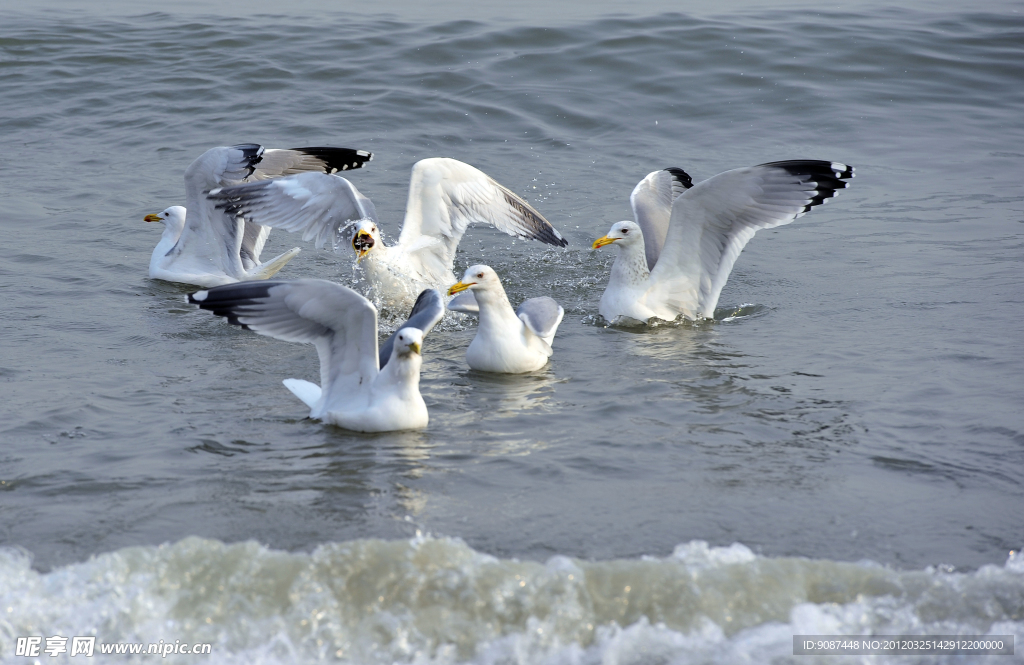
{"points": [[426, 312], [465, 302], [712, 222], [542, 316]]}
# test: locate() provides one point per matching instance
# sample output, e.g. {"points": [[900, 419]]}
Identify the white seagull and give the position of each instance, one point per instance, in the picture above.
{"points": [[675, 259], [445, 196], [506, 341], [208, 247], [358, 390]]}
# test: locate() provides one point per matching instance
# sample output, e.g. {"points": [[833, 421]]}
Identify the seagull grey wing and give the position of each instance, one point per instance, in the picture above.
{"points": [[714, 220], [426, 312], [221, 166], [276, 163], [652, 207], [542, 316], [317, 205], [211, 240], [254, 237], [262, 164], [445, 196], [338, 321], [464, 302]]}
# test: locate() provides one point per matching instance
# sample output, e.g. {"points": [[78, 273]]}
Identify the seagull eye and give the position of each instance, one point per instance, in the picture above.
{"points": [[625, 231], [480, 276]]}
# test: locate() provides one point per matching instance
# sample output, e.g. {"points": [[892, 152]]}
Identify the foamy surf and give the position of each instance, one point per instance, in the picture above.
{"points": [[436, 600]]}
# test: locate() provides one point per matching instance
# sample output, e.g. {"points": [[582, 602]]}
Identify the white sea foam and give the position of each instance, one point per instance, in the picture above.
{"points": [[436, 600]]}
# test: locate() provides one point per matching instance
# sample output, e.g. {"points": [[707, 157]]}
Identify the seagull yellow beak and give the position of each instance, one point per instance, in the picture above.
{"points": [[459, 288], [152, 218], [362, 243], [602, 241], [414, 347]]}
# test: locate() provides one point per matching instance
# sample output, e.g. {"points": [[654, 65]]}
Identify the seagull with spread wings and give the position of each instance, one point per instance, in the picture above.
{"points": [[675, 259], [361, 388], [205, 246], [445, 196]]}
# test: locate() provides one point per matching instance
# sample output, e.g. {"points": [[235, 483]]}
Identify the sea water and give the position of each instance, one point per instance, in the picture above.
{"points": [[841, 451]]}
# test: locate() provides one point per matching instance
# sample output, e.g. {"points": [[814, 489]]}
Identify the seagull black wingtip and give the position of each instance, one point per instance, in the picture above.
{"points": [[681, 176], [338, 159]]}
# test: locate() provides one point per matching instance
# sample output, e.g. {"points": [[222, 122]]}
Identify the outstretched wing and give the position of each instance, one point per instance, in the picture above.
{"points": [[341, 324], [445, 196], [652, 207], [713, 221], [214, 238], [317, 205], [211, 238], [276, 163], [542, 316], [426, 312]]}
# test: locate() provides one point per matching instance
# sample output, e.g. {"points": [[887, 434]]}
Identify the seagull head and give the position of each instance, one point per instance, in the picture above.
{"points": [[364, 238], [622, 233], [408, 342], [479, 277], [173, 217]]}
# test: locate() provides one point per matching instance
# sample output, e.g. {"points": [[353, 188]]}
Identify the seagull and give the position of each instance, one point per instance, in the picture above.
{"points": [[210, 247], [675, 259], [445, 196], [358, 390], [506, 341]]}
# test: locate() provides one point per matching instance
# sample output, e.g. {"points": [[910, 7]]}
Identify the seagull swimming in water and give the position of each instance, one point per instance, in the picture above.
{"points": [[675, 258], [445, 196], [359, 389], [207, 246], [507, 341]]}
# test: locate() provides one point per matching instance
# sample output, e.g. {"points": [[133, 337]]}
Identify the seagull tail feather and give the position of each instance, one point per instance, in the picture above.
{"points": [[304, 390], [270, 268]]}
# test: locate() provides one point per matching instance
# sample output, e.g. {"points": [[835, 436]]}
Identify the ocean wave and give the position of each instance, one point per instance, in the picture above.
{"points": [[436, 600]]}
